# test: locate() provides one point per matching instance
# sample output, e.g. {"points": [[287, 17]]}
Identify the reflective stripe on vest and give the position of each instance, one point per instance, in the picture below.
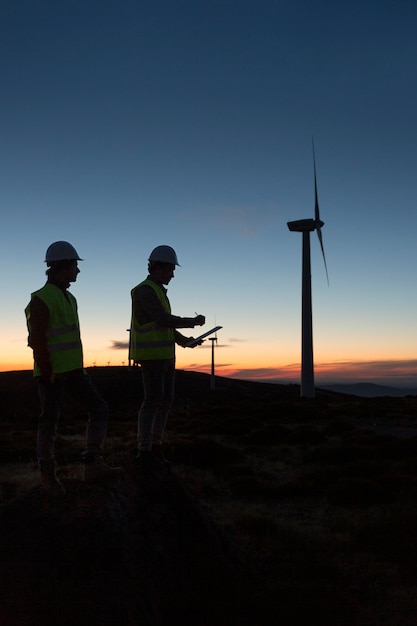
{"points": [[150, 341], [69, 345], [63, 335], [55, 332]]}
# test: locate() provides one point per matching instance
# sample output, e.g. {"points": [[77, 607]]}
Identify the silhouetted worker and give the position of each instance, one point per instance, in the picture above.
{"points": [[54, 336], [153, 336]]}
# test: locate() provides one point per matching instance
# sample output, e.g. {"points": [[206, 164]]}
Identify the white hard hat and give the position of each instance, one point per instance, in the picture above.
{"points": [[164, 254], [61, 251]]}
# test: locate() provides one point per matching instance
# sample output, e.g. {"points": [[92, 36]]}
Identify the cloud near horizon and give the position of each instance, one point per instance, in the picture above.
{"points": [[119, 345], [124, 345], [337, 370], [341, 370], [394, 367]]}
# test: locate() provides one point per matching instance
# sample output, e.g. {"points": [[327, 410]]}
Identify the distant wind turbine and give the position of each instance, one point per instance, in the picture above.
{"points": [[213, 378], [306, 227]]}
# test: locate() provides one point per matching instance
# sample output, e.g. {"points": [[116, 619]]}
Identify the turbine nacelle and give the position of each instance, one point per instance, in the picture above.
{"points": [[308, 225]]}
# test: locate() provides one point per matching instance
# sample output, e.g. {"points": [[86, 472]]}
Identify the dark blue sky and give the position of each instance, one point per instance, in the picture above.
{"points": [[129, 124]]}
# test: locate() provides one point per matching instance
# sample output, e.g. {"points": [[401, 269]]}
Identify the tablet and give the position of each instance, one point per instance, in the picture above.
{"points": [[194, 342]]}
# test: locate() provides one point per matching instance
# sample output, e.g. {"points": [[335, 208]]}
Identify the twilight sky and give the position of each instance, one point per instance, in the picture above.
{"points": [[128, 124]]}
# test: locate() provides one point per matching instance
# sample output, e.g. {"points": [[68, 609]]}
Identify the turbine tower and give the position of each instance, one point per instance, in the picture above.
{"points": [[213, 378], [306, 227]]}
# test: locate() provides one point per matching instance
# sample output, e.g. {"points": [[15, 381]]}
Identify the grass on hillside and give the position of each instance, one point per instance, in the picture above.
{"points": [[326, 508]]}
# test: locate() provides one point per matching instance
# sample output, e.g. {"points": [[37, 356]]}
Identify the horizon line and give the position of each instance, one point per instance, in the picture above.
{"points": [[400, 372]]}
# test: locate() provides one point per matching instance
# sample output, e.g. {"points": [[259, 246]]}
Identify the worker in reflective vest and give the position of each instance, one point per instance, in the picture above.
{"points": [[54, 336], [62, 352], [153, 335], [150, 341]]}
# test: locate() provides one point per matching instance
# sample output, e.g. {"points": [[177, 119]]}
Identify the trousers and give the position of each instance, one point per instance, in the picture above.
{"points": [[80, 388], [158, 377]]}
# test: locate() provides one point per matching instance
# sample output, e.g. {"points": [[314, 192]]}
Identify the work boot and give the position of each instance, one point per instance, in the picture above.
{"points": [[158, 454], [50, 483], [96, 471]]}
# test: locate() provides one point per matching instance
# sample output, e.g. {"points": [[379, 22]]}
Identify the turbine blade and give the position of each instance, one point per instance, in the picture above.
{"points": [[320, 236], [316, 197], [319, 223]]}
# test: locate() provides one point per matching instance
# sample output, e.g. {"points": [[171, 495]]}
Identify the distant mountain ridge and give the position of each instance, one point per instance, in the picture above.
{"points": [[369, 390]]}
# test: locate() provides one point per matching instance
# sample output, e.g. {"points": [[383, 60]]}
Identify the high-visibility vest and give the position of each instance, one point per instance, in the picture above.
{"points": [[150, 341], [63, 334]]}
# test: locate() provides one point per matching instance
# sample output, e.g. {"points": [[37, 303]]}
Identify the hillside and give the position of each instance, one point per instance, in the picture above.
{"points": [[277, 509]]}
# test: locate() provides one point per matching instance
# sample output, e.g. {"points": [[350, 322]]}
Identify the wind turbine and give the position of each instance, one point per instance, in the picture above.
{"points": [[306, 227], [213, 379]]}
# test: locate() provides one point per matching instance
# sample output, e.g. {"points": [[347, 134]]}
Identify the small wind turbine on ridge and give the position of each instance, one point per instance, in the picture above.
{"points": [[306, 227], [212, 377]]}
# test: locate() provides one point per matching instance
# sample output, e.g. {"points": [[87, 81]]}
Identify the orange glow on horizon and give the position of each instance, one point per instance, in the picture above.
{"points": [[348, 370], [16, 367]]}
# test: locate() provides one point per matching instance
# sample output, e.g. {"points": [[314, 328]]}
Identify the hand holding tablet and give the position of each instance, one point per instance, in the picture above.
{"points": [[195, 341]]}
